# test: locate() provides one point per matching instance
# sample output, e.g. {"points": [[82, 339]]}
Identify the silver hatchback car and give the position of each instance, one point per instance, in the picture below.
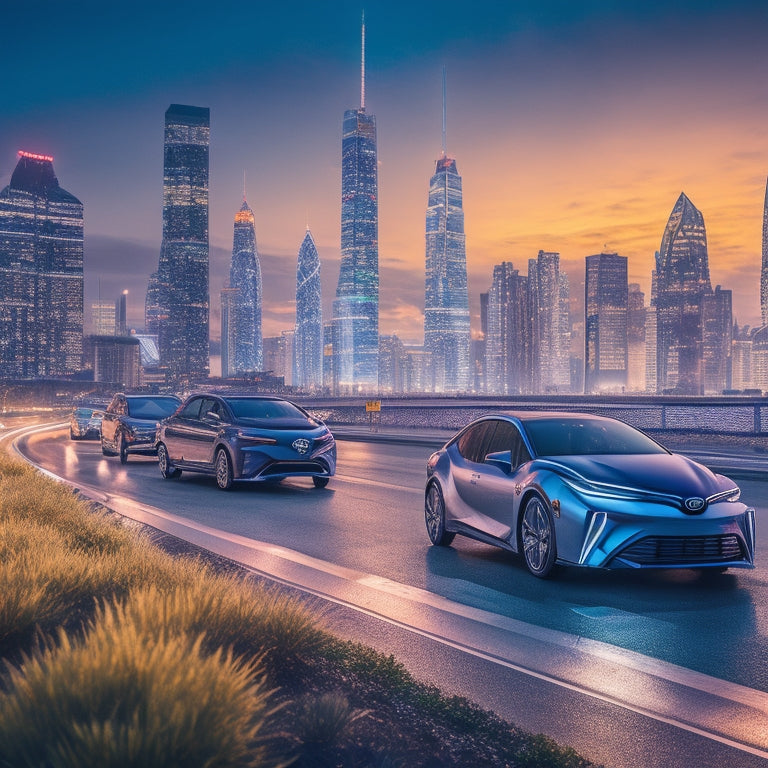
{"points": [[245, 437]]}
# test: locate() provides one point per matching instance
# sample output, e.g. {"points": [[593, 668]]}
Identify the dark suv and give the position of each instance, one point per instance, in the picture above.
{"points": [[130, 423]]}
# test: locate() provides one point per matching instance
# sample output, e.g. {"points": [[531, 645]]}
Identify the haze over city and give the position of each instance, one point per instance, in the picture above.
{"points": [[574, 126]]}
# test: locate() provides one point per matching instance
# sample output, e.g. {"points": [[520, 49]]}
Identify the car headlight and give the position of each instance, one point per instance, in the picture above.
{"points": [[255, 439]]}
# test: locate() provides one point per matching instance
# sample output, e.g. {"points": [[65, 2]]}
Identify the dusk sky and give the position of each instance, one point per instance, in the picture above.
{"points": [[575, 126]]}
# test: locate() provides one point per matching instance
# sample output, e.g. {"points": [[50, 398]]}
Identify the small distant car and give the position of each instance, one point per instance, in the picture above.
{"points": [[245, 437], [130, 423], [584, 490], [85, 423]]}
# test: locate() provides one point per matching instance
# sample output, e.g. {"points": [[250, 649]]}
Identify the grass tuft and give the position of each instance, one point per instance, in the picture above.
{"points": [[324, 720], [124, 696]]}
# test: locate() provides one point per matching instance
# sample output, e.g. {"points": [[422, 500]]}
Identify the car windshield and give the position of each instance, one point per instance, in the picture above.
{"points": [[83, 413], [579, 437], [258, 408], [151, 408]]}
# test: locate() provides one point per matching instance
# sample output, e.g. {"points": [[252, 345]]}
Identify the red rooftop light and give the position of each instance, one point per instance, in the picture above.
{"points": [[33, 156]]}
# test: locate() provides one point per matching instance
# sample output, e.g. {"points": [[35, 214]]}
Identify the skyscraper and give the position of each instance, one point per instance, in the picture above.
{"points": [[605, 326], [636, 326], [551, 324], [308, 338], [356, 308], [244, 350], [41, 273], [183, 270], [764, 269], [446, 301], [508, 341], [681, 282], [717, 338]]}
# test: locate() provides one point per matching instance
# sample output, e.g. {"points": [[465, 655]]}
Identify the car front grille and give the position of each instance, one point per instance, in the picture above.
{"points": [[679, 550], [294, 467]]}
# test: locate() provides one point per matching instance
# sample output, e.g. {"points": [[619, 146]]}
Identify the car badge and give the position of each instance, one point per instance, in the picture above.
{"points": [[694, 504], [301, 445]]}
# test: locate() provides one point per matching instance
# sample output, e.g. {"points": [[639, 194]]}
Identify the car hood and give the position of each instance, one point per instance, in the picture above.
{"points": [[657, 473]]}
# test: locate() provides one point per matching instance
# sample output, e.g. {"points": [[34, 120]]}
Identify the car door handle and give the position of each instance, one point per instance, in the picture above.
{"points": [[474, 477]]}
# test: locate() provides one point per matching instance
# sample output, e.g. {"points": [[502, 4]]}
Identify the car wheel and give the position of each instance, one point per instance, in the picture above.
{"points": [[320, 482], [434, 517], [122, 448], [537, 537], [223, 470], [167, 470]]}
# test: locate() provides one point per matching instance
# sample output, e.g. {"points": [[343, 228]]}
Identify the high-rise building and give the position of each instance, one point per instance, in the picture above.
{"points": [[551, 336], [393, 365], [308, 337], [356, 308], [183, 316], [605, 324], [636, 355], [717, 338], [154, 313], [446, 300], [242, 303], [741, 359], [681, 282], [41, 273], [121, 315], [764, 269], [103, 318], [508, 340]]}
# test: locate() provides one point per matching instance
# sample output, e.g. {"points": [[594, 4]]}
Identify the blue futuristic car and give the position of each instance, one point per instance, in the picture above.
{"points": [[584, 490], [245, 437]]}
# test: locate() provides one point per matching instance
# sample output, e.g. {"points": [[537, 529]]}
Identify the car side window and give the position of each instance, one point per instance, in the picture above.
{"points": [[472, 443], [508, 438], [192, 409], [209, 407]]}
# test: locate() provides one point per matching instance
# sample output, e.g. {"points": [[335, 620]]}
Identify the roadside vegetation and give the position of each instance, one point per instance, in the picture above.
{"points": [[118, 653]]}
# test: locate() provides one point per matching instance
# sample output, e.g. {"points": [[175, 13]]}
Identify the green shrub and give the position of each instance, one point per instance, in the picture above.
{"points": [[126, 696], [324, 720]]}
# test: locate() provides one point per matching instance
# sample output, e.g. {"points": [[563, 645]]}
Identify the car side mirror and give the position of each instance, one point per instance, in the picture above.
{"points": [[502, 460]]}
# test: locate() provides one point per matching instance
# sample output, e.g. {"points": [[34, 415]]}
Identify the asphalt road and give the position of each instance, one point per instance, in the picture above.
{"points": [[647, 669]]}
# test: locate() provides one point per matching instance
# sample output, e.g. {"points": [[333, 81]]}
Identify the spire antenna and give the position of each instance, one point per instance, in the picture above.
{"points": [[362, 68], [445, 114], [244, 196]]}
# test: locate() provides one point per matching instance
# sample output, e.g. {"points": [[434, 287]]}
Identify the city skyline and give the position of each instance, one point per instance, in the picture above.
{"points": [[596, 160]]}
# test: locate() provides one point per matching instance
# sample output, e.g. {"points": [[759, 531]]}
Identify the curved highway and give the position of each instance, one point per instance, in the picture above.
{"points": [[648, 669]]}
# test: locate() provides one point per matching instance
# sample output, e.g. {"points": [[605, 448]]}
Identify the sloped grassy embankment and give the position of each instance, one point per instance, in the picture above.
{"points": [[117, 653]]}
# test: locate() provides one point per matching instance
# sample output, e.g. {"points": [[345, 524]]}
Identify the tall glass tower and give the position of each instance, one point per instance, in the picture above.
{"points": [[681, 282], [243, 302], [308, 337], [764, 269], [446, 301], [356, 308], [183, 269], [41, 273]]}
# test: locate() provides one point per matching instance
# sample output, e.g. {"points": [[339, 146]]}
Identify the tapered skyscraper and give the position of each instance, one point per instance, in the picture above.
{"points": [[41, 273], [356, 308], [764, 270], [681, 281], [243, 351], [446, 301], [183, 270], [308, 337]]}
